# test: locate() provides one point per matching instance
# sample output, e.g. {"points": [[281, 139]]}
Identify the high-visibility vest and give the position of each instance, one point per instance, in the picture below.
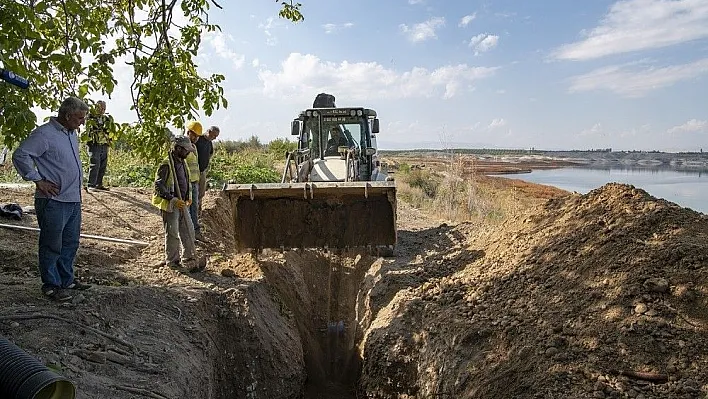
{"points": [[160, 202], [193, 165]]}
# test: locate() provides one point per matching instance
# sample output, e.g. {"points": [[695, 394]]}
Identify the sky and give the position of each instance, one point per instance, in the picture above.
{"points": [[552, 74]]}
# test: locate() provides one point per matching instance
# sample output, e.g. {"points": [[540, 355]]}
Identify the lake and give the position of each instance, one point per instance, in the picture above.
{"points": [[685, 188]]}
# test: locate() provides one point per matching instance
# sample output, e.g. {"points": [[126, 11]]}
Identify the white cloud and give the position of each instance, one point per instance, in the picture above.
{"points": [[256, 62], [267, 28], [622, 80], [331, 28], [467, 19], [692, 126], [414, 2], [424, 30], [483, 42], [218, 42], [595, 130], [304, 74], [497, 123], [635, 25]]}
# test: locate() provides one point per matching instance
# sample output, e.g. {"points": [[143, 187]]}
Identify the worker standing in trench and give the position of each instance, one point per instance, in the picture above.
{"points": [[49, 157]]}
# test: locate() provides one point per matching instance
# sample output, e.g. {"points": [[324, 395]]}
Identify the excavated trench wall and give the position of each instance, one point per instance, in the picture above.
{"points": [[323, 292], [296, 332], [256, 353]]}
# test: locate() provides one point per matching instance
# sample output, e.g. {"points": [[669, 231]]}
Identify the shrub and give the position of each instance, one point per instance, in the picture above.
{"points": [[124, 169], [249, 165], [233, 146], [423, 180], [236, 161], [279, 147], [253, 174], [8, 173]]}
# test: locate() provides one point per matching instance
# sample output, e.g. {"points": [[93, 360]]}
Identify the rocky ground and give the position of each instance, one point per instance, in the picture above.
{"points": [[601, 295]]}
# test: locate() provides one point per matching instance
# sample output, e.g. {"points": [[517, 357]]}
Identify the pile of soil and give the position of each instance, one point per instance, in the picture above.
{"points": [[597, 295]]}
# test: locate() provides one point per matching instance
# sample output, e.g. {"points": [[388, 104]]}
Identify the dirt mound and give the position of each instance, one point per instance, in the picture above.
{"points": [[574, 300]]}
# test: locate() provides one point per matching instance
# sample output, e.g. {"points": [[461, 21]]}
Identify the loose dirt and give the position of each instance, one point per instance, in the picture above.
{"points": [[576, 296]]}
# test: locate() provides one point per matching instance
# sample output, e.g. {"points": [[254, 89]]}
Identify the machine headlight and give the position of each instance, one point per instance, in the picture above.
{"points": [[309, 113], [315, 113], [352, 112], [359, 112]]}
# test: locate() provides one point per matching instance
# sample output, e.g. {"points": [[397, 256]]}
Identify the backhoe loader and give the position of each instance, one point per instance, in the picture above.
{"points": [[333, 191]]}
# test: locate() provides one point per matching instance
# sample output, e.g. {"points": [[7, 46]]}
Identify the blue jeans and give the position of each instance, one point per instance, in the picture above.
{"points": [[60, 226], [194, 208]]}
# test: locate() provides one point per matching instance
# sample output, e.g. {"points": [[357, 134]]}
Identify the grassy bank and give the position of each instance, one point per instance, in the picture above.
{"points": [[447, 191]]}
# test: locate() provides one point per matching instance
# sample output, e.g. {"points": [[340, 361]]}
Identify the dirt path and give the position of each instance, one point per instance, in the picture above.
{"points": [[566, 300]]}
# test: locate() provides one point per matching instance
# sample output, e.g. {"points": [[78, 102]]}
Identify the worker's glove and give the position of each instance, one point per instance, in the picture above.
{"points": [[178, 203], [188, 203]]}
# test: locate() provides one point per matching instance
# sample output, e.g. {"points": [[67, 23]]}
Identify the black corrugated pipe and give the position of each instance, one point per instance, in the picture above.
{"points": [[24, 377]]}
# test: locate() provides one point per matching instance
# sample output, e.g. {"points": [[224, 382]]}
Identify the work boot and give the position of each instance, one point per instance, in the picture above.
{"points": [[57, 294], [173, 265], [197, 265]]}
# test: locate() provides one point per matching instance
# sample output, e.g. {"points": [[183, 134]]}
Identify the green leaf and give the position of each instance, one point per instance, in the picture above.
{"points": [[83, 90]]}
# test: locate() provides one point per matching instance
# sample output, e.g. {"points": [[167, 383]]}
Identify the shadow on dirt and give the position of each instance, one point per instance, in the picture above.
{"points": [[334, 297], [107, 200], [145, 204]]}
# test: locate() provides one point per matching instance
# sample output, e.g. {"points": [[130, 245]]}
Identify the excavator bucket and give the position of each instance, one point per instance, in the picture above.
{"points": [[314, 214]]}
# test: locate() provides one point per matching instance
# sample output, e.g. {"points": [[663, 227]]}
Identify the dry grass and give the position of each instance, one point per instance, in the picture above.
{"points": [[459, 195]]}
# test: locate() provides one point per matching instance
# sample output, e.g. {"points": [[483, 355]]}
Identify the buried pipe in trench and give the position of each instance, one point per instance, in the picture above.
{"points": [[24, 377]]}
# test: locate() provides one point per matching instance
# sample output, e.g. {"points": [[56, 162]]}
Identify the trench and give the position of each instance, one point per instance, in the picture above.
{"points": [[297, 333], [324, 295]]}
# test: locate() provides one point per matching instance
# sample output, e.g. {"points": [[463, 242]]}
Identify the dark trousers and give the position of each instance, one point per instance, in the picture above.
{"points": [[98, 153], [59, 230]]}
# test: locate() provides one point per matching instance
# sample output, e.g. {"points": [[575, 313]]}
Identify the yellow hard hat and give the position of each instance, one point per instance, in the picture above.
{"points": [[195, 126]]}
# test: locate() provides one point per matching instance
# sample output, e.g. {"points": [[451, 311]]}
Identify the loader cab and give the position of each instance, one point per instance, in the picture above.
{"points": [[330, 134], [315, 128]]}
